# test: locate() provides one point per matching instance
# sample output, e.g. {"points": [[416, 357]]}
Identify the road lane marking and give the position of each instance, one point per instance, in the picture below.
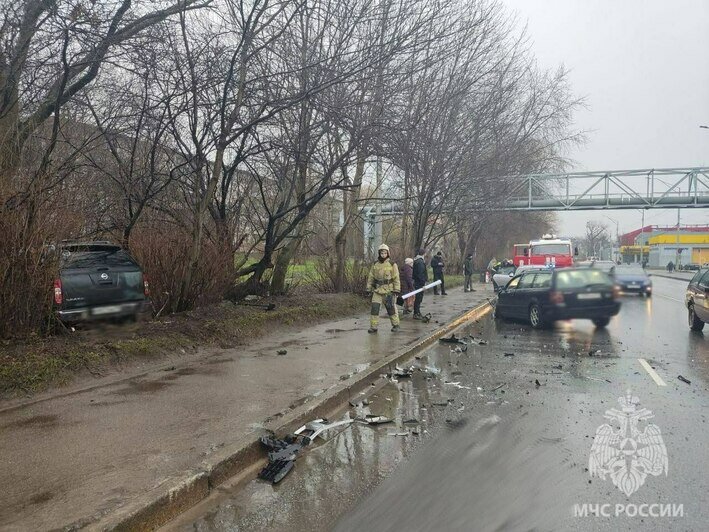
{"points": [[670, 298], [658, 380]]}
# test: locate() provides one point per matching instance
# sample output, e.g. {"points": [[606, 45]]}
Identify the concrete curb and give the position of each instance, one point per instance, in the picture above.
{"points": [[177, 495]]}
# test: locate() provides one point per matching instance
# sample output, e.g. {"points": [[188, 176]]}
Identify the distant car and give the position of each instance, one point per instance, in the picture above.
{"points": [[690, 267], [697, 300], [98, 280], [631, 278], [603, 265], [542, 297]]}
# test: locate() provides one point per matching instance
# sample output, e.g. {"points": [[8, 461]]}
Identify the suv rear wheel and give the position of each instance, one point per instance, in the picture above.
{"points": [[694, 322], [601, 322], [535, 316]]}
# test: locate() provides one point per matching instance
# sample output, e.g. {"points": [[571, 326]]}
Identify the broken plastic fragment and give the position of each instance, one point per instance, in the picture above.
{"points": [[275, 471], [452, 339], [377, 420], [403, 373]]}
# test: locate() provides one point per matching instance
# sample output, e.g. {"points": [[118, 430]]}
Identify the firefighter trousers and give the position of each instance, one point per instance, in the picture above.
{"points": [[389, 302]]}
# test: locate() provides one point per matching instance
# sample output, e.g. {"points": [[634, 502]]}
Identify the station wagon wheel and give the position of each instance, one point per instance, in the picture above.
{"points": [[694, 322], [535, 316]]}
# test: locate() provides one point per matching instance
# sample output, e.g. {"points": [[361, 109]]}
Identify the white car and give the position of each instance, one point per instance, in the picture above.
{"points": [[503, 276]]}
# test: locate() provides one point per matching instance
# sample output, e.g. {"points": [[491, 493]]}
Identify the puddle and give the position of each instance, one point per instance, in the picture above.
{"points": [[138, 387], [42, 497], [213, 361], [43, 420]]}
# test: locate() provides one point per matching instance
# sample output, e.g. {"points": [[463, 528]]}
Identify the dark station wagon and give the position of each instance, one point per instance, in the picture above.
{"points": [[98, 280], [543, 297]]}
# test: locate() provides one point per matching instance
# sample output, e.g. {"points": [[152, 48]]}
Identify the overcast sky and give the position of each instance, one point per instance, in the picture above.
{"points": [[643, 67]]}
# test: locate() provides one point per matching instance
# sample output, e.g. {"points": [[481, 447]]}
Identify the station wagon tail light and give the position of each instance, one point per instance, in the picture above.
{"points": [[146, 286], [58, 291], [556, 297]]}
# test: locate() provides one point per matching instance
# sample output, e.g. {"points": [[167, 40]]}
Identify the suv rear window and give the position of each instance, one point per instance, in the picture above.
{"points": [[581, 278], [87, 259]]}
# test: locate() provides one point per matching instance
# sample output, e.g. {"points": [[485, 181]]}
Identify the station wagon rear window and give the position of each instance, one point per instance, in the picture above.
{"points": [[581, 278]]}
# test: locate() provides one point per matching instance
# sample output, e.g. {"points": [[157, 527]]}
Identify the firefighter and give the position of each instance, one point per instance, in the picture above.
{"points": [[384, 284]]}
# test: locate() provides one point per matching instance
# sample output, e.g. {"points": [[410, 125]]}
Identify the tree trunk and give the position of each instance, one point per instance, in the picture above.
{"points": [[283, 260], [351, 208], [183, 301]]}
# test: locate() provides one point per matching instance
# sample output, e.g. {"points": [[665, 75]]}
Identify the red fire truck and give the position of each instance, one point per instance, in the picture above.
{"points": [[547, 251]]}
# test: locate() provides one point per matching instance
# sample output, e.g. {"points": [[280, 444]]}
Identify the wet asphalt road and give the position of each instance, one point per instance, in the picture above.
{"points": [[486, 448]]}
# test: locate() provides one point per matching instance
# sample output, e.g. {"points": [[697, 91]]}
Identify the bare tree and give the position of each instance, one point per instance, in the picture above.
{"points": [[596, 238], [51, 50]]}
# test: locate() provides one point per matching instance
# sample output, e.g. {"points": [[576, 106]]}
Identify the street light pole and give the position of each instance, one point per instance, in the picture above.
{"points": [[642, 240], [617, 233]]}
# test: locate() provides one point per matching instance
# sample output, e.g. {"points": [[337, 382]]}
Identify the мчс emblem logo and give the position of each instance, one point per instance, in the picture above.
{"points": [[624, 452]]}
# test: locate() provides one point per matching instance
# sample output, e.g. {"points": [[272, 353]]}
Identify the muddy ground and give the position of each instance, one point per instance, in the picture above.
{"points": [[96, 351]]}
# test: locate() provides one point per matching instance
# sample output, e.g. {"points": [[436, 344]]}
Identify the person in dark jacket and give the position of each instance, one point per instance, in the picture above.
{"points": [[468, 272], [420, 276], [407, 284], [437, 265]]}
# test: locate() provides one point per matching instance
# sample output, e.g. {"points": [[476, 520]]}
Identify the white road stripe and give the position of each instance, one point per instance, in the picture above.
{"points": [[670, 298], [658, 380]]}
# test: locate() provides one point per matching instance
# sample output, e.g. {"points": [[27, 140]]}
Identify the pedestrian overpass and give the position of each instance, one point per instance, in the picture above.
{"points": [[660, 188]]}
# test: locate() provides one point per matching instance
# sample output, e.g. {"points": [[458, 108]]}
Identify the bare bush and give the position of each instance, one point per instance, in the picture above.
{"points": [[355, 279], [161, 250]]}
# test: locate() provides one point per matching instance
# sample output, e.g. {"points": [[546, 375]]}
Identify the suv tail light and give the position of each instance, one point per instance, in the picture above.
{"points": [[146, 286], [556, 297], [58, 291]]}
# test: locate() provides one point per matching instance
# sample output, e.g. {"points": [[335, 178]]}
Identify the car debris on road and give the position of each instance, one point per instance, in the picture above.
{"points": [[371, 419], [452, 339], [687, 381], [283, 453]]}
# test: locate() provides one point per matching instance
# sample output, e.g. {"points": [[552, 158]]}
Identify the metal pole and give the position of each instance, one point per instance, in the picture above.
{"points": [[678, 253], [642, 239], [378, 220]]}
